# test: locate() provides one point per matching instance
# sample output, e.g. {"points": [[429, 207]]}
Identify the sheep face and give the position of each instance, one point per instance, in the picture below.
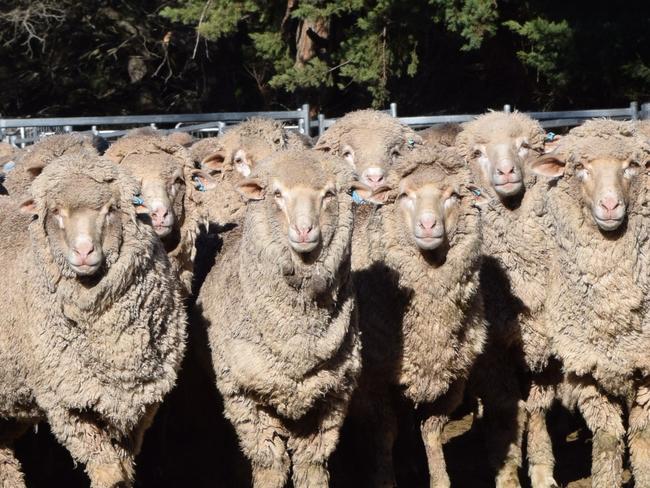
{"points": [[163, 189], [604, 185], [242, 155], [502, 163], [370, 155], [301, 201], [84, 231]]}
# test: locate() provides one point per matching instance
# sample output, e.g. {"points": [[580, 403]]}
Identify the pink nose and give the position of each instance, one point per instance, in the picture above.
{"points": [[609, 203], [303, 232], [159, 215], [505, 168], [428, 221], [83, 250], [375, 178]]}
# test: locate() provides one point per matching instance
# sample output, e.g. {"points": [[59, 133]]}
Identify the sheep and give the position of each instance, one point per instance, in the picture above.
{"points": [[443, 134], [279, 307], [181, 138], [598, 298], [30, 162], [420, 306], [8, 155], [498, 147], [248, 143], [171, 193], [92, 328], [370, 141]]}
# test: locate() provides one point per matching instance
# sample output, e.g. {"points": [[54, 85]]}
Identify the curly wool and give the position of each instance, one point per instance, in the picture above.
{"points": [[598, 303], [111, 350], [31, 161], [432, 313], [190, 205], [443, 134], [283, 333]]}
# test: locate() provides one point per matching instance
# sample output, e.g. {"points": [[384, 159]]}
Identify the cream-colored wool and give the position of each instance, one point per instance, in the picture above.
{"points": [[443, 134], [31, 161], [514, 278], [94, 359], [421, 316], [598, 305], [181, 138], [161, 158], [283, 331]]}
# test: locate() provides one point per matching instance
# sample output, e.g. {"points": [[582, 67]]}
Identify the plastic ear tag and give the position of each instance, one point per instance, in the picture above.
{"points": [[8, 166], [476, 192], [199, 184], [137, 200], [356, 198], [411, 142], [550, 136]]}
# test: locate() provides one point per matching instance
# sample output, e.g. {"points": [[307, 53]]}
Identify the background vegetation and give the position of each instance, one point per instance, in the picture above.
{"points": [[67, 57]]}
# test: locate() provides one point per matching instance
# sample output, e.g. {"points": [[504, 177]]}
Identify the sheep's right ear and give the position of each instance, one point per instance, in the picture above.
{"points": [[214, 162], [549, 165], [28, 207], [252, 189]]}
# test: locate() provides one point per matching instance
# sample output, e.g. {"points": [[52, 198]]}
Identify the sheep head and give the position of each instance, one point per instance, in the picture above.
{"points": [[83, 204], [499, 146], [425, 199], [601, 159], [164, 171], [370, 142], [300, 190]]}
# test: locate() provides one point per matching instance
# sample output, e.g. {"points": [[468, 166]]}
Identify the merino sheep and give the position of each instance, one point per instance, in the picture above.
{"points": [[31, 161], [92, 328], [420, 306], [279, 306], [443, 134], [181, 138], [370, 141], [598, 300], [498, 147], [171, 193]]}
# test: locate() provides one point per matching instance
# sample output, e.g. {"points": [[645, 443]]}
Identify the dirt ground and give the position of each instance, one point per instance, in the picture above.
{"points": [[192, 445]]}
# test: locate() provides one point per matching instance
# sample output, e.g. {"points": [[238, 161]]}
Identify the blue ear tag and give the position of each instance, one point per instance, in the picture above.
{"points": [[356, 198], [137, 200], [476, 192], [411, 142], [9, 166], [199, 184], [550, 136]]}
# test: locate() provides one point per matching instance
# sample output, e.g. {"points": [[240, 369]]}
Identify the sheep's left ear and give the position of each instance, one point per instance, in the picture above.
{"points": [[252, 189], [202, 180], [28, 207], [549, 165], [478, 194]]}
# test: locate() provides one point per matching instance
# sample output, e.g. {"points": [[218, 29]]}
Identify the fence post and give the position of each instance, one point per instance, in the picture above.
{"points": [[507, 108], [305, 120], [393, 109], [634, 110], [645, 111], [321, 124]]}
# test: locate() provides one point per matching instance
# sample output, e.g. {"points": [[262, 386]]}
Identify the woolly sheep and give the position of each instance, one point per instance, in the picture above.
{"points": [[370, 141], [443, 134], [498, 147], [92, 328], [31, 161], [172, 193], [598, 298], [181, 138], [279, 307], [420, 306]]}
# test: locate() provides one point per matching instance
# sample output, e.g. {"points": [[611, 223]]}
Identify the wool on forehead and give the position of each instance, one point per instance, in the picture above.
{"points": [[155, 164], [296, 168]]}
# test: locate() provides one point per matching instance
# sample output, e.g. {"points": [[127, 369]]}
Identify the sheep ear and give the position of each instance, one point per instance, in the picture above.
{"points": [[551, 142], [28, 207], [478, 194], [34, 171], [203, 181], [214, 162], [548, 165], [251, 189], [378, 196]]}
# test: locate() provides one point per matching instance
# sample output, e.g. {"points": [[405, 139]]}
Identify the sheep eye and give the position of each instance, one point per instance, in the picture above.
{"points": [[525, 145], [277, 194], [395, 153], [580, 167], [330, 194], [633, 165], [238, 160], [55, 211], [477, 153]]}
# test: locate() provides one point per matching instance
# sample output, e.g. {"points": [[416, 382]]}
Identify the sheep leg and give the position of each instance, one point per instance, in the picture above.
{"points": [[137, 436], [434, 420], [262, 439], [311, 450], [639, 438], [11, 475], [605, 420], [109, 463], [541, 460]]}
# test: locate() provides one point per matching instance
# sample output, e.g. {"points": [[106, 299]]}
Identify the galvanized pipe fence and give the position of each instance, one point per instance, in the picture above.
{"points": [[21, 132]]}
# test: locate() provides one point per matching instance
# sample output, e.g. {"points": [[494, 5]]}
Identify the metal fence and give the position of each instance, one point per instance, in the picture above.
{"points": [[25, 131]]}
